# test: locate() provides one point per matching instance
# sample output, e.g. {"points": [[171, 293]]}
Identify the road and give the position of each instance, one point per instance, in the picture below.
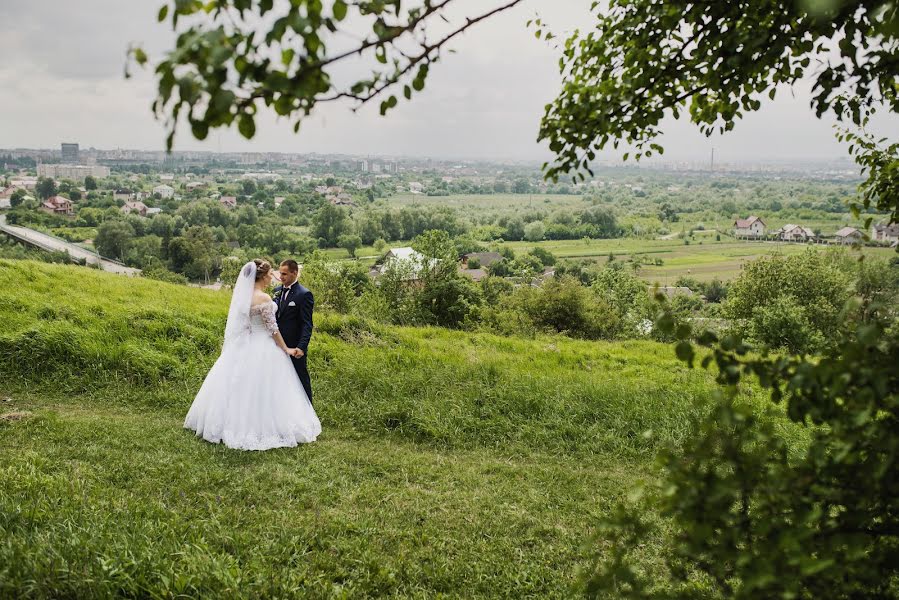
{"points": [[54, 244]]}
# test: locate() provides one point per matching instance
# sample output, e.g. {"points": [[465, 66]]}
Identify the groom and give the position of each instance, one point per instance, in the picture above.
{"points": [[294, 315]]}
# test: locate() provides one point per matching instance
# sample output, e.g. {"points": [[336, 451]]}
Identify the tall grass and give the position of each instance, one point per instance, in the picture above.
{"points": [[85, 330]]}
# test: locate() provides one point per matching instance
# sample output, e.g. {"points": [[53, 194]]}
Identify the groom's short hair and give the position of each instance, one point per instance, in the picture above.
{"points": [[291, 264]]}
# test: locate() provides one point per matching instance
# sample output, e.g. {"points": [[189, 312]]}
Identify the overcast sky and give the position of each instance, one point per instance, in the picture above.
{"points": [[61, 79]]}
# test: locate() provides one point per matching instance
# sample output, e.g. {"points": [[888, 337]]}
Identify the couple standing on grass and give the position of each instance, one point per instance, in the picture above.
{"points": [[258, 394]]}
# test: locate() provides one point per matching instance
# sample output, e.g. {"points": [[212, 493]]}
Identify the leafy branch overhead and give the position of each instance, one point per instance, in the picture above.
{"points": [[713, 61], [232, 54]]}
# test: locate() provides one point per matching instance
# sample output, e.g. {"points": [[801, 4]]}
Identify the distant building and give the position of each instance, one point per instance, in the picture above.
{"points": [[484, 259], [794, 233], [123, 195], [164, 191], [753, 227], [415, 187], [58, 205], [405, 258], [72, 171], [848, 235], [228, 201], [7, 193], [474, 274], [26, 181], [153, 211], [135, 207], [69, 153], [885, 233]]}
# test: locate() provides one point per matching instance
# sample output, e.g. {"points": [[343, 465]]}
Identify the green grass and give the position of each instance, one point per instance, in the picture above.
{"points": [[722, 259], [454, 464]]}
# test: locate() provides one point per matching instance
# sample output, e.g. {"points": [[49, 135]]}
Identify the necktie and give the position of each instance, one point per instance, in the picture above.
{"points": [[284, 294]]}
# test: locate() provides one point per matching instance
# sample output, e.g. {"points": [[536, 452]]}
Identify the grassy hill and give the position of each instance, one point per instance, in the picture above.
{"points": [[451, 463]]}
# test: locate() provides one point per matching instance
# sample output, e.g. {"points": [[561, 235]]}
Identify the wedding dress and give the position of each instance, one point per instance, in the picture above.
{"points": [[252, 398]]}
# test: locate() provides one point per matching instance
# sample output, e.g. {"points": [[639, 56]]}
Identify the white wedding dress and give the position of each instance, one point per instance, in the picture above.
{"points": [[252, 398]]}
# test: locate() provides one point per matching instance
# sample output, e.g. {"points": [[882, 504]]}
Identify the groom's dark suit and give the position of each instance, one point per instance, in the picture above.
{"points": [[294, 317]]}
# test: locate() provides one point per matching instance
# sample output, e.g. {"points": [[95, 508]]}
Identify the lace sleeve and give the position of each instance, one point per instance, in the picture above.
{"points": [[268, 318]]}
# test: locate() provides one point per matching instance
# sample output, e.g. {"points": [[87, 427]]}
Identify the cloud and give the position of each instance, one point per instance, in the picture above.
{"points": [[62, 79]]}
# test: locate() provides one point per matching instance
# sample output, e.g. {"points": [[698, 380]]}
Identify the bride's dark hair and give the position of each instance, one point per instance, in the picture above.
{"points": [[263, 267]]}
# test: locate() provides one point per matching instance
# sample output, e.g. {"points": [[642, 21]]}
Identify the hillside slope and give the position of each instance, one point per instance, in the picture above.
{"points": [[451, 463]]}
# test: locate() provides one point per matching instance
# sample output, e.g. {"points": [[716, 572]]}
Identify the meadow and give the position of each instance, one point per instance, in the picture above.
{"points": [[452, 464], [703, 259]]}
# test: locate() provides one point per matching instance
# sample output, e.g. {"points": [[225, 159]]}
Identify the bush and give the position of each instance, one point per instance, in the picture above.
{"points": [[784, 324], [813, 280]]}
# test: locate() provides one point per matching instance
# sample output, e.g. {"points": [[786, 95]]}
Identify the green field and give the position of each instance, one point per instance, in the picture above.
{"points": [[480, 202], [703, 259], [451, 464]]}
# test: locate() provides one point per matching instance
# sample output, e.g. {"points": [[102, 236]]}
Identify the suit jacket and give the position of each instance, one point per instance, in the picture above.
{"points": [[295, 321]]}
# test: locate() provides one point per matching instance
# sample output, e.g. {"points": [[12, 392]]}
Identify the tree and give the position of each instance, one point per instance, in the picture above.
{"points": [[17, 197], [90, 183], [754, 47], [533, 232], [603, 219], [667, 213], [521, 186], [113, 238], [45, 188], [329, 223], [350, 243], [248, 186]]}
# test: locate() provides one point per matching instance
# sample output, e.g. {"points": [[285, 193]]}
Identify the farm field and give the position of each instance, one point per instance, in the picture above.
{"points": [[702, 261]]}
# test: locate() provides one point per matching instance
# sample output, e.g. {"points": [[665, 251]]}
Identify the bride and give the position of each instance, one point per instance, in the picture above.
{"points": [[252, 398]]}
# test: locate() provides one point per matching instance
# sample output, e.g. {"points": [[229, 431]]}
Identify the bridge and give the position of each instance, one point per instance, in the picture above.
{"points": [[51, 243]]}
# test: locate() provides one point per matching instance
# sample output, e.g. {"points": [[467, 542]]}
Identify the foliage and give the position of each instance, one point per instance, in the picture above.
{"points": [[114, 238], [45, 188], [221, 67], [664, 54], [818, 290]]}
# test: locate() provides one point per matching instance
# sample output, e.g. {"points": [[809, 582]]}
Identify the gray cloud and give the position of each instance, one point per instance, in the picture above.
{"points": [[61, 79]]}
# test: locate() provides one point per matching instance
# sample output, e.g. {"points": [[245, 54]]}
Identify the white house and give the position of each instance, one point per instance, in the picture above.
{"points": [[753, 227], [164, 191], [416, 187], [848, 235], [794, 233], [885, 233]]}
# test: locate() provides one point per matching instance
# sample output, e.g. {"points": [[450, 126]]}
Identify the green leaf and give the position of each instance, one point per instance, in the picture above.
{"points": [[246, 125], [163, 13], [340, 10]]}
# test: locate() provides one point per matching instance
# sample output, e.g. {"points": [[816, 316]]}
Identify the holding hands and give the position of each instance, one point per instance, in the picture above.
{"points": [[295, 352]]}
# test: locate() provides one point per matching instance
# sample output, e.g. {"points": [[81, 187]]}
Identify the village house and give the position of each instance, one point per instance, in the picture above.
{"points": [[482, 259], [164, 191], [153, 211], [123, 195], [228, 201], [58, 205], [752, 227], [848, 236], [135, 207], [885, 233], [416, 187], [794, 233], [7, 193], [29, 182], [405, 258]]}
